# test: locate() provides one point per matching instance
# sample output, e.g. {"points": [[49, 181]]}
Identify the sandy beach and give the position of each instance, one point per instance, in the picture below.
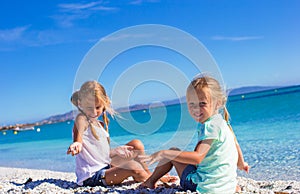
{"points": [[18, 180]]}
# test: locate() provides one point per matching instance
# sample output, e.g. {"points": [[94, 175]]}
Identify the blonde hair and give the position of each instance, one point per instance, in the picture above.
{"points": [[93, 88], [216, 92]]}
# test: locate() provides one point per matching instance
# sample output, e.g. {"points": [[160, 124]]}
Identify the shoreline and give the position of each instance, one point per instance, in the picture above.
{"points": [[21, 180], [235, 94]]}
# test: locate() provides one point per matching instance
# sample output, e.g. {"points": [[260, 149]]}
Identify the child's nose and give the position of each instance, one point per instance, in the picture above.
{"points": [[197, 109], [95, 111]]}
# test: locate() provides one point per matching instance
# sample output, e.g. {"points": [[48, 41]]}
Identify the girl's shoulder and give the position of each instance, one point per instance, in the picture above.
{"points": [[81, 121], [212, 128], [216, 122], [217, 118], [80, 117]]}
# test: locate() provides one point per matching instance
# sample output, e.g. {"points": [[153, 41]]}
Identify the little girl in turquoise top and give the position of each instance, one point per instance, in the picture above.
{"points": [[211, 167]]}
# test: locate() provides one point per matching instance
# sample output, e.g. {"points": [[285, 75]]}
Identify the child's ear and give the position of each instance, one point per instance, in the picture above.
{"points": [[79, 103], [219, 104]]}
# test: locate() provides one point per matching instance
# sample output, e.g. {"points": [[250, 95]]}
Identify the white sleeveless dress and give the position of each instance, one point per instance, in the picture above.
{"points": [[94, 155]]}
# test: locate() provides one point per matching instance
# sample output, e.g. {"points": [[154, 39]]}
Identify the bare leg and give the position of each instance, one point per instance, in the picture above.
{"points": [[138, 150], [163, 167], [117, 175], [179, 167]]}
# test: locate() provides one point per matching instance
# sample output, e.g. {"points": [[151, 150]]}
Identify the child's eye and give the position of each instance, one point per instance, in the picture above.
{"points": [[202, 104], [192, 105]]}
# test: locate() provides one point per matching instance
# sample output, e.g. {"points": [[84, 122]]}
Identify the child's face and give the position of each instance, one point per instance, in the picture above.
{"points": [[92, 107], [200, 104]]}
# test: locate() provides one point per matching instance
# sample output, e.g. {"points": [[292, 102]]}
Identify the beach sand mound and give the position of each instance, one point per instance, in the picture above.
{"points": [[16, 180]]}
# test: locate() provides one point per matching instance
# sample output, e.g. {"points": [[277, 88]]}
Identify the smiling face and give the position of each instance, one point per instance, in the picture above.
{"points": [[92, 107], [200, 104]]}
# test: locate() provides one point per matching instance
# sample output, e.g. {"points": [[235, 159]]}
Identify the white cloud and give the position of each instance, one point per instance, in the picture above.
{"points": [[237, 38], [70, 12], [67, 20], [79, 7], [139, 2], [125, 36], [104, 8], [9, 35], [19, 37]]}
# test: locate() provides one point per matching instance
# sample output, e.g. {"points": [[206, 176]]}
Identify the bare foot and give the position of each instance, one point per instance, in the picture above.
{"points": [[147, 184], [238, 189], [168, 179]]}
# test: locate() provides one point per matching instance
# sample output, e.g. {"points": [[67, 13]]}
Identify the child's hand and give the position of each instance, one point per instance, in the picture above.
{"points": [[245, 167], [74, 148], [157, 156], [124, 151]]}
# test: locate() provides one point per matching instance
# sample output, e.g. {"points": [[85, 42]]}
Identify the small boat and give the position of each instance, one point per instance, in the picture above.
{"points": [[24, 129]]}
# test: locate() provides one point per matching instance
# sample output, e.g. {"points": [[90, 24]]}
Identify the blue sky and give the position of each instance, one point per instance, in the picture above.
{"points": [[42, 44]]}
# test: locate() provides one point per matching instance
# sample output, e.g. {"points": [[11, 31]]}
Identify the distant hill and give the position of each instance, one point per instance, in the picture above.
{"points": [[70, 115], [146, 106], [236, 91], [59, 118], [50, 120], [250, 89], [232, 92]]}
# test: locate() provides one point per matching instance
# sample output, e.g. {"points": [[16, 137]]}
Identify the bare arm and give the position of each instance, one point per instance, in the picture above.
{"points": [[194, 157], [77, 137], [78, 129], [124, 151], [242, 165]]}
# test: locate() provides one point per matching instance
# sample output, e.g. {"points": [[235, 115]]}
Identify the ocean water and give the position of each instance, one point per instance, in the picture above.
{"points": [[267, 126]]}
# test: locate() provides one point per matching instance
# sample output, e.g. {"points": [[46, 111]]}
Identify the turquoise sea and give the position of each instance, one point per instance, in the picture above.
{"points": [[267, 126]]}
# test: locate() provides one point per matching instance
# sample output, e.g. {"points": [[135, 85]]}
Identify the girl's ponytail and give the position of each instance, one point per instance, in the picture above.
{"points": [[226, 117], [93, 131], [106, 121], [75, 98]]}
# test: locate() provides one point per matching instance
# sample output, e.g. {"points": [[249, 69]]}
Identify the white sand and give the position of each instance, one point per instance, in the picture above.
{"points": [[12, 180]]}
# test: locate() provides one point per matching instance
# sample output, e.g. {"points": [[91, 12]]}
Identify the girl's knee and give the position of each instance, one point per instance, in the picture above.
{"points": [[137, 144], [136, 171], [174, 148], [140, 175]]}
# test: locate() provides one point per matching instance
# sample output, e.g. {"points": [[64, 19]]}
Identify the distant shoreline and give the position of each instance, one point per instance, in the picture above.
{"points": [[237, 94]]}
